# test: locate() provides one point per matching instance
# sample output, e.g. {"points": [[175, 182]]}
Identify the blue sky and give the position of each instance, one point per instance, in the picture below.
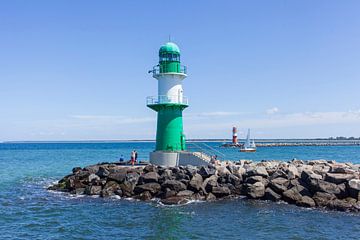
{"points": [[77, 70]]}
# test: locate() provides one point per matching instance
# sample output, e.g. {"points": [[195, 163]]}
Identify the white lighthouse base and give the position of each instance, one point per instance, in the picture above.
{"points": [[181, 158]]}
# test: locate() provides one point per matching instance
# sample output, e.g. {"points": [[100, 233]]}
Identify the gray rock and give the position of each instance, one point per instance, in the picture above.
{"points": [[102, 172], [307, 175], [175, 185], [221, 191], [206, 171], [196, 182], [210, 197], [132, 177], [109, 188], [92, 168], [306, 201], [341, 168], [293, 172], [185, 193], [354, 188], [166, 193], [150, 168], [295, 194], [127, 188], [152, 187], [256, 190], [80, 191], [279, 185], [174, 200], [322, 199], [209, 184], [271, 195], [279, 174], [93, 190], [323, 186], [117, 176], [257, 171], [145, 196], [254, 179], [340, 205], [149, 177], [338, 178], [76, 169], [93, 177]]}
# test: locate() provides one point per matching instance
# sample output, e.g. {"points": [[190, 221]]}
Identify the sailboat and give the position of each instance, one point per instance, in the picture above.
{"points": [[248, 146]]}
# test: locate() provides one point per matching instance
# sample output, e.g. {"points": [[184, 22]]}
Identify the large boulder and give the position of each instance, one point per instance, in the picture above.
{"points": [[257, 171], [117, 176], [293, 172], [279, 185], [93, 177], [256, 190], [152, 187], [195, 182], [341, 168], [174, 200], [92, 168], [340, 205], [210, 197], [306, 201], [323, 186], [221, 191], [149, 168], [307, 176], [93, 190], [175, 185], [322, 199], [338, 178], [206, 171], [109, 188], [295, 194], [254, 179], [102, 172], [145, 196], [185, 193], [209, 184], [271, 195], [354, 188], [149, 177]]}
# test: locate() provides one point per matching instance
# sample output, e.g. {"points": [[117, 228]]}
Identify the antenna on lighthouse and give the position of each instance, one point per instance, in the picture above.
{"points": [[169, 37]]}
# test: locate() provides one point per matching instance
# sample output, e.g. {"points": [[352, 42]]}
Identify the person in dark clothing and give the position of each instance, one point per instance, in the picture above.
{"points": [[136, 156]]}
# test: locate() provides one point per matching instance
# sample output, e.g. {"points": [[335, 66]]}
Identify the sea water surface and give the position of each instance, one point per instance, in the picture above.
{"points": [[29, 211]]}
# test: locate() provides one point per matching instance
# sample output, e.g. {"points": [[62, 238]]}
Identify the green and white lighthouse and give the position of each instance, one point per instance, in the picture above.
{"points": [[169, 105]]}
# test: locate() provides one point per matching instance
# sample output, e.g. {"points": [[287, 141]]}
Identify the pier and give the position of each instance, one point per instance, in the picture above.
{"points": [[298, 143]]}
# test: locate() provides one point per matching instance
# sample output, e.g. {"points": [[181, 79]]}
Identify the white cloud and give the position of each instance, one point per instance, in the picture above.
{"points": [[271, 111]]}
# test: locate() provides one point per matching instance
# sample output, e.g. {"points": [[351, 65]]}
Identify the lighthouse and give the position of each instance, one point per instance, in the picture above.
{"points": [[169, 105]]}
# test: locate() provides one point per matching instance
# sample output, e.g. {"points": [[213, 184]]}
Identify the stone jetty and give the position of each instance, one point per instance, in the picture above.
{"points": [[317, 183]]}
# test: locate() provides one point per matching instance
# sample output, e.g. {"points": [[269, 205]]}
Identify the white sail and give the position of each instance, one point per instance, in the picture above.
{"points": [[248, 146], [247, 142]]}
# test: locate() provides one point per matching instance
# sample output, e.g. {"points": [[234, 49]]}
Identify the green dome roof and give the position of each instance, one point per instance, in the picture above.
{"points": [[169, 47]]}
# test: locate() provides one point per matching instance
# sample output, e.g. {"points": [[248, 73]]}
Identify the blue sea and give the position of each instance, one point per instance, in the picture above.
{"points": [[29, 211]]}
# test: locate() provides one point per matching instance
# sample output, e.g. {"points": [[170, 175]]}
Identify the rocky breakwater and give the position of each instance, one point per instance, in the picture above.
{"points": [[318, 183]]}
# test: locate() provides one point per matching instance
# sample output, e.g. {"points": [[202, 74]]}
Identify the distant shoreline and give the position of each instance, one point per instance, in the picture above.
{"points": [[193, 140]]}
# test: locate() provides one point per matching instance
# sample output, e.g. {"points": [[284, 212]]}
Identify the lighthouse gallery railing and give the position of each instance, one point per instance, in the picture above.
{"points": [[158, 70], [166, 99]]}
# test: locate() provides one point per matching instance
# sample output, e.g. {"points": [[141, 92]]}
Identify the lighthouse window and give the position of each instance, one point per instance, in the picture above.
{"points": [[169, 57]]}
